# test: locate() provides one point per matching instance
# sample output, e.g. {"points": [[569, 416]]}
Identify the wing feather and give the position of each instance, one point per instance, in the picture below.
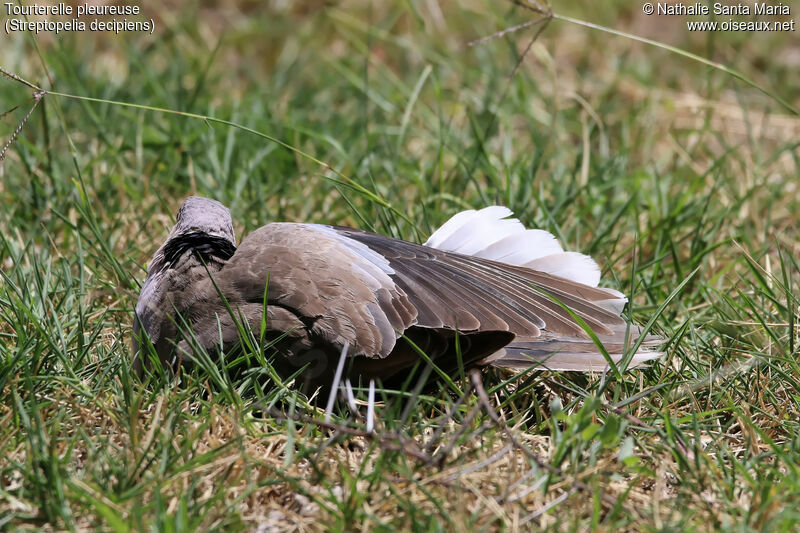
{"points": [[513, 292], [338, 286]]}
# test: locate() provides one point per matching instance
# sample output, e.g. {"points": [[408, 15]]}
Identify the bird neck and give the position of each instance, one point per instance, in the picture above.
{"points": [[205, 247]]}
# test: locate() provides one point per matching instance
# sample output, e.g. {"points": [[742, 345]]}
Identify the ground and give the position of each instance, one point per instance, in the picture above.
{"points": [[679, 176]]}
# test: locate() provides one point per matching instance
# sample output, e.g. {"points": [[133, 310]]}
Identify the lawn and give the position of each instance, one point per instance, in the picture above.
{"points": [[679, 176]]}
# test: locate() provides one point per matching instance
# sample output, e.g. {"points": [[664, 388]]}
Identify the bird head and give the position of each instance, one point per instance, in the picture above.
{"points": [[201, 241], [203, 215]]}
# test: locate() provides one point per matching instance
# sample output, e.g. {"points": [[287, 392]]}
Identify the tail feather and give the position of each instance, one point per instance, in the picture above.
{"points": [[521, 247], [570, 265], [470, 231], [519, 359], [490, 234], [616, 302], [572, 353]]}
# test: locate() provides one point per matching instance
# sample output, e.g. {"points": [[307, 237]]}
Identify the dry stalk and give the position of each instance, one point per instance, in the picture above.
{"points": [[477, 384], [38, 95], [389, 440]]}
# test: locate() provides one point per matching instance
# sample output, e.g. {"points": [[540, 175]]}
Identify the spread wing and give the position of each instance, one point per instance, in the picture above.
{"points": [[346, 285], [473, 293]]}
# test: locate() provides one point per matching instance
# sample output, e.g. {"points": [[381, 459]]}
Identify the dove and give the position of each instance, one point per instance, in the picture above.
{"points": [[483, 290]]}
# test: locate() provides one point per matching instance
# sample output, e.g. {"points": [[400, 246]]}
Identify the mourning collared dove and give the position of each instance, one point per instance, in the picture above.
{"points": [[483, 290]]}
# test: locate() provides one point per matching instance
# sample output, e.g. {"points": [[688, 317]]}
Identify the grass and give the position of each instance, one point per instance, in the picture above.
{"points": [[670, 173]]}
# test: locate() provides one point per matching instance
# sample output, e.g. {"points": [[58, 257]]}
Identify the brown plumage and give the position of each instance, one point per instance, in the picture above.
{"points": [[328, 286]]}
